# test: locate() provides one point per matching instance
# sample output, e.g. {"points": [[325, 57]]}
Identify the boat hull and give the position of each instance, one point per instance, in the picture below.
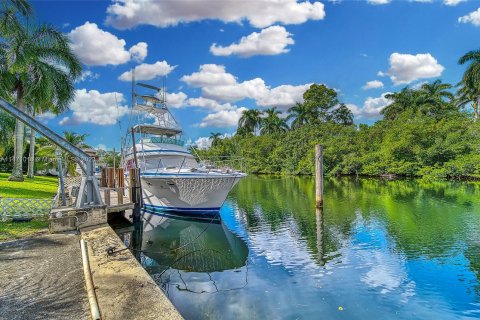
{"points": [[200, 195]]}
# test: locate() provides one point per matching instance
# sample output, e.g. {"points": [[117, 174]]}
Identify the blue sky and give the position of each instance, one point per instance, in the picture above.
{"points": [[266, 54]]}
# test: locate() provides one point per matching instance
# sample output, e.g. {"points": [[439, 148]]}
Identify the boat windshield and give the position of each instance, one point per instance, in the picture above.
{"points": [[175, 141], [168, 162]]}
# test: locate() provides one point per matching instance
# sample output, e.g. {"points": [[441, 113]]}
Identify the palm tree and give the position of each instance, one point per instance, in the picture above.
{"points": [[215, 137], [406, 99], [250, 121], [272, 123], [471, 80], [47, 150], [435, 97], [38, 66], [22, 6], [466, 96], [301, 115], [7, 127]]}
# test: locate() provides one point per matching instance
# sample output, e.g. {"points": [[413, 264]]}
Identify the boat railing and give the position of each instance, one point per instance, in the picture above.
{"points": [[223, 164]]}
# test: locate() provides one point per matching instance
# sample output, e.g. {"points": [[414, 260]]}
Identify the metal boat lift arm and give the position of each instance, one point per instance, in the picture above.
{"points": [[89, 186]]}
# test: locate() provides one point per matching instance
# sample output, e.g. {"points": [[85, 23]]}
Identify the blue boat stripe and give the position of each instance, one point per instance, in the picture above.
{"points": [[180, 208]]}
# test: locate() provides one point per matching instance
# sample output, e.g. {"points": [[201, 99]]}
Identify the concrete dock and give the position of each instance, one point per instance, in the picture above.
{"points": [[124, 289], [42, 278]]}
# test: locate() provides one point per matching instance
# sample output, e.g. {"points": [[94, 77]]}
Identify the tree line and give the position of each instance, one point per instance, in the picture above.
{"points": [[428, 131]]}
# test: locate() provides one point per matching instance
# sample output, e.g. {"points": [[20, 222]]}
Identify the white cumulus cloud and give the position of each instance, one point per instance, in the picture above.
{"points": [[139, 51], [97, 47], [378, 1], [452, 3], [270, 41], [176, 100], [371, 107], [209, 104], [374, 84], [223, 118], [221, 86], [405, 68], [203, 143], [96, 107], [125, 14], [147, 71], [472, 17]]}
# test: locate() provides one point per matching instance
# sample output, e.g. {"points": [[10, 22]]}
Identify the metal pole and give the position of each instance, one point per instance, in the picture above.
{"points": [[58, 153], [319, 175]]}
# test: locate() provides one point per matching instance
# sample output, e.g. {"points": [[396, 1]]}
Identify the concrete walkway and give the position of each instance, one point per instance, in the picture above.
{"points": [[42, 278]]}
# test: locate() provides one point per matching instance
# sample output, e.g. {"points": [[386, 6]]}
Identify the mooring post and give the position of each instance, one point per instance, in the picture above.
{"points": [[136, 194], [319, 175]]}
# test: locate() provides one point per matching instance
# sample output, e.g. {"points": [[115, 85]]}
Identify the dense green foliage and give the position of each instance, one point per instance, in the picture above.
{"points": [[424, 133]]}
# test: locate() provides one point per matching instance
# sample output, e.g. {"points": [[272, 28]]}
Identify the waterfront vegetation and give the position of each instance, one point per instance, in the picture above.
{"points": [[425, 132]]}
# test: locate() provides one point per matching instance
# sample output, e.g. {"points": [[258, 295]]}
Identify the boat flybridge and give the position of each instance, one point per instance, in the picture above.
{"points": [[172, 180]]}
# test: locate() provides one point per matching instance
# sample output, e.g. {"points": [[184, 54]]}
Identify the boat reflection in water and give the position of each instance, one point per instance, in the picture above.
{"points": [[187, 244], [187, 254]]}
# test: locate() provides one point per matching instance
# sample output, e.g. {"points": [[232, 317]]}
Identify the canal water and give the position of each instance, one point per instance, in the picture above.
{"points": [[383, 249]]}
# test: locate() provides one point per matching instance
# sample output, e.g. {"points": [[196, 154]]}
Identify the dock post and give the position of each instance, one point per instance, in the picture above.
{"points": [[136, 193], [319, 176]]}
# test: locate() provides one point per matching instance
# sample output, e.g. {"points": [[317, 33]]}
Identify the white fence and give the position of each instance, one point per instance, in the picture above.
{"points": [[24, 208]]}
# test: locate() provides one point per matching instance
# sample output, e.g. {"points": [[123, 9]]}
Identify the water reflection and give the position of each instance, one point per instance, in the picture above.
{"points": [[191, 245], [389, 249]]}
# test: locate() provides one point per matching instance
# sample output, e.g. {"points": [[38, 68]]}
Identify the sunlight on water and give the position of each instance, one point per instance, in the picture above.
{"points": [[383, 249]]}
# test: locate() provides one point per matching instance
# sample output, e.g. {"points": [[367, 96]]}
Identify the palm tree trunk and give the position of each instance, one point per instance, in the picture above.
{"points": [[17, 172], [31, 155], [475, 109]]}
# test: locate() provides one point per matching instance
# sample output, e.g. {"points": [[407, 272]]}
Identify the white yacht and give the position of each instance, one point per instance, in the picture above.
{"points": [[172, 180]]}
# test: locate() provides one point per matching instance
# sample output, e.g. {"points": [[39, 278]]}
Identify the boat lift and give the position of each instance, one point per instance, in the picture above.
{"points": [[89, 188]]}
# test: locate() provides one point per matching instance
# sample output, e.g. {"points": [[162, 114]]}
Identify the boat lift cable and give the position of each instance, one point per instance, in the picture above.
{"points": [[89, 188]]}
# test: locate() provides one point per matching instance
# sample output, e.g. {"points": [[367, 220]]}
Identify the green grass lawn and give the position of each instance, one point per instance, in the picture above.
{"points": [[38, 187], [15, 230]]}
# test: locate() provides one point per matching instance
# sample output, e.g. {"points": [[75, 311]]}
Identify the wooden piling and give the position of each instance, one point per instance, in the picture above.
{"points": [[106, 193], [120, 185], [319, 175], [103, 179], [110, 177], [136, 194]]}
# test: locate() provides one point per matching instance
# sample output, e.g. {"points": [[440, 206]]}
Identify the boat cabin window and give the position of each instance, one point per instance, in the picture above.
{"points": [[166, 162]]}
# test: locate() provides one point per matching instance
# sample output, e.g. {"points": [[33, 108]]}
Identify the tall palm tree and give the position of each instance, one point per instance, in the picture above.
{"points": [[250, 121], [471, 79], [215, 137], [466, 96], [272, 123], [406, 99], [301, 115], [47, 150], [36, 65], [22, 6], [435, 97], [7, 127]]}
